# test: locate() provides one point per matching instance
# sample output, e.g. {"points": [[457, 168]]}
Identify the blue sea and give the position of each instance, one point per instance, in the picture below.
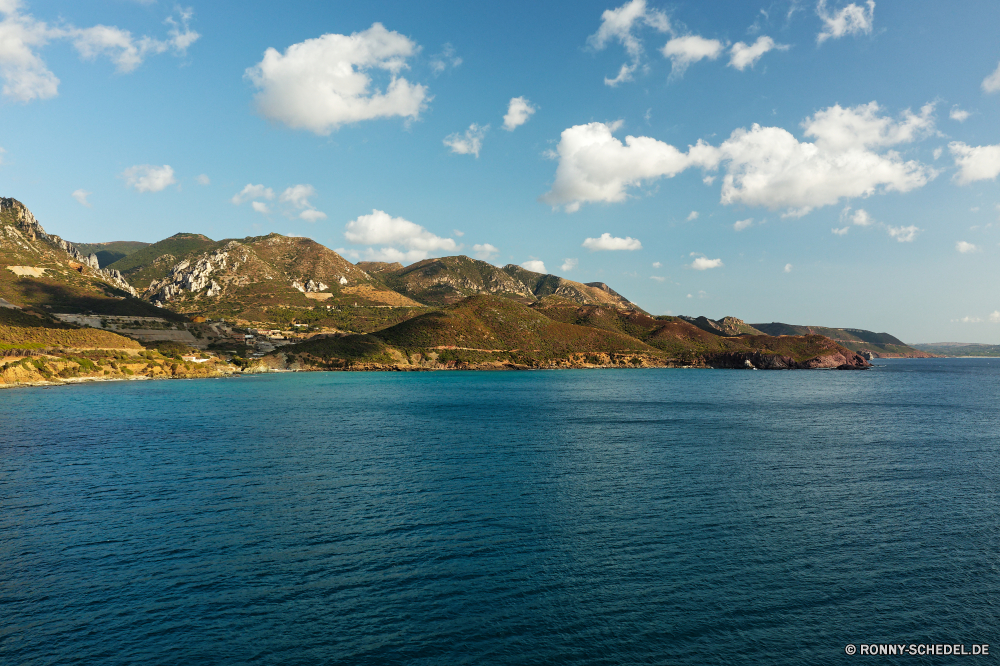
{"points": [[538, 517]]}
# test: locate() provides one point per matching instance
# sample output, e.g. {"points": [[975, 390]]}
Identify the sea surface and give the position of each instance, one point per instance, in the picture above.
{"points": [[540, 517]]}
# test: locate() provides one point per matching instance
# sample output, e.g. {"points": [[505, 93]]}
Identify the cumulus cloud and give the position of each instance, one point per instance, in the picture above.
{"points": [[995, 317], [26, 76], [704, 263], [975, 162], [595, 166], [965, 248], [444, 60], [485, 251], [903, 234], [687, 50], [535, 265], [609, 242], [620, 25], [518, 112], [740, 225], [252, 192], [742, 56], [149, 178], [81, 197], [841, 231], [959, 114], [569, 264], [788, 268], [380, 228], [656, 264], [297, 197], [764, 166], [203, 179], [859, 218], [469, 143], [850, 20], [991, 83], [260, 207], [693, 215], [323, 83]]}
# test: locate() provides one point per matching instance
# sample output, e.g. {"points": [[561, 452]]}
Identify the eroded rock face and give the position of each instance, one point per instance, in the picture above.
{"points": [[31, 229], [762, 361], [186, 276]]}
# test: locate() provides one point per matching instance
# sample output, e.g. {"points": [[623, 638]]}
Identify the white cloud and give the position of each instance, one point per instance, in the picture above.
{"points": [[595, 166], [687, 50], [149, 178], [252, 192], [859, 218], [297, 196], [969, 320], [380, 228], [323, 83], [2, 151], [260, 207], [535, 265], [485, 251], [788, 268], [842, 231], [312, 215], [619, 25], [24, 73], [959, 114], [704, 263], [81, 197], [965, 248], [657, 278], [937, 153], [765, 166], [975, 162], [991, 83], [569, 264], [203, 179], [469, 143], [126, 51], [656, 264], [693, 215], [609, 242], [444, 60], [850, 20], [458, 233], [390, 254], [904, 234], [995, 317], [740, 225], [742, 56], [518, 112]]}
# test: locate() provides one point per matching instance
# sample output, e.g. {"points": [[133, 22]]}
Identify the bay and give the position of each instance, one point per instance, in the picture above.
{"points": [[569, 517]]}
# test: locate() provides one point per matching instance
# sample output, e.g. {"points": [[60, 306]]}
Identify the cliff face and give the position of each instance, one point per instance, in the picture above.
{"points": [[14, 215]]}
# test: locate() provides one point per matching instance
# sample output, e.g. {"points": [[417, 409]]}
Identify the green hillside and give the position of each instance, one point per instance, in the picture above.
{"points": [[155, 261], [855, 339], [109, 253]]}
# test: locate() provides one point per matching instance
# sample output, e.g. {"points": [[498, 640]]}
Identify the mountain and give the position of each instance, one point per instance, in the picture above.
{"points": [[41, 270], [727, 326], [447, 280], [486, 330], [958, 349], [249, 278], [108, 253], [154, 262], [880, 345]]}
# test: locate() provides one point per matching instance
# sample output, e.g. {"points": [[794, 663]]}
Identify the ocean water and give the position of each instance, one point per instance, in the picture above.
{"points": [[559, 517]]}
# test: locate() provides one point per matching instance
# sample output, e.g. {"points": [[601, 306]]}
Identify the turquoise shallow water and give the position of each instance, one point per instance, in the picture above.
{"points": [[567, 517]]}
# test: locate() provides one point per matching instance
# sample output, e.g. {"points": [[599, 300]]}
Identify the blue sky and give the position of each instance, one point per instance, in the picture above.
{"points": [[844, 169]]}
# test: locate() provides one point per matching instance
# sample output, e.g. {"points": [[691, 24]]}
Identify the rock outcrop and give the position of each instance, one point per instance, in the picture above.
{"points": [[25, 222], [840, 360]]}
